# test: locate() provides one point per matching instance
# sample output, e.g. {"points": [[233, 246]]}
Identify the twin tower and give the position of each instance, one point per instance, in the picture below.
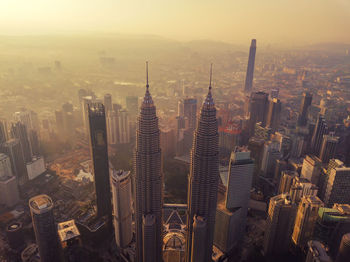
{"points": [[202, 184]]}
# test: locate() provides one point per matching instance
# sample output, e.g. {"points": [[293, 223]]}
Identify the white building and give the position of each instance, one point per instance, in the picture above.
{"points": [[122, 206]]}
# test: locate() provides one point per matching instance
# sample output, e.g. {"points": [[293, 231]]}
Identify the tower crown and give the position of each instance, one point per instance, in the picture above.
{"points": [[147, 100], [209, 102]]}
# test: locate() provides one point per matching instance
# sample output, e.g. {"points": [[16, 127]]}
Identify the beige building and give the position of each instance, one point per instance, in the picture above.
{"points": [[305, 220]]}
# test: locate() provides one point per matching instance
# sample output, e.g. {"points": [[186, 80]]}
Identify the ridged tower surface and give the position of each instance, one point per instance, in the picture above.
{"points": [[148, 179], [203, 178]]}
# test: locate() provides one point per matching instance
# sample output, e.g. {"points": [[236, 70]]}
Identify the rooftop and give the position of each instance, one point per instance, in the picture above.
{"points": [[40, 203], [67, 230]]}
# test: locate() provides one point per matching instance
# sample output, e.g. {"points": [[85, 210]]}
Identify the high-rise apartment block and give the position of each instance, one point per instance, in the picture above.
{"points": [[305, 220]]}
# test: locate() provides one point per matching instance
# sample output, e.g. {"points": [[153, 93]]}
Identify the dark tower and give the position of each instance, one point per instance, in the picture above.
{"points": [[320, 130], [305, 104], [99, 156], [41, 209], [250, 70], [148, 183], [258, 108], [203, 184], [19, 131]]}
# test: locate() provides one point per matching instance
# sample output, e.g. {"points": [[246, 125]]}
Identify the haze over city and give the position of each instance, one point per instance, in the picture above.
{"points": [[175, 131]]}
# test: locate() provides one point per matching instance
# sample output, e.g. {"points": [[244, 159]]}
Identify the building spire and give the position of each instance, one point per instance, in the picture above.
{"points": [[147, 100], [211, 72], [147, 85], [209, 102]]}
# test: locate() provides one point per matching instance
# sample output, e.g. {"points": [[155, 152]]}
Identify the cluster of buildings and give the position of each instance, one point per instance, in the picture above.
{"points": [[295, 161]]}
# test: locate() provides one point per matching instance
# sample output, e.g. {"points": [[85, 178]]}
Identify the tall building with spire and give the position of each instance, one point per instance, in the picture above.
{"points": [[148, 183], [203, 184], [250, 70]]}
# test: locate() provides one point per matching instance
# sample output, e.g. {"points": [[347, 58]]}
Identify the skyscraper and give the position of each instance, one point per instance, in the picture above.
{"points": [[302, 187], [99, 156], [107, 102], [12, 148], [328, 148], [258, 106], [3, 131], [311, 169], [124, 127], [333, 163], [41, 209], [305, 220], [132, 105], [307, 99], [279, 224], [286, 181], [112, 123], [122, 206], [148, 183], [19, 131], [250, 69], [239, 183], [338, 184], [190, 111], [274, 114], [9, 195], [240, 177], [320, 130], [203, 184]]}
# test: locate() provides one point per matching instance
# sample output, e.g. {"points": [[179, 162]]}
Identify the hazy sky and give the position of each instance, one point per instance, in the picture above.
{"points": [[236, 21]]}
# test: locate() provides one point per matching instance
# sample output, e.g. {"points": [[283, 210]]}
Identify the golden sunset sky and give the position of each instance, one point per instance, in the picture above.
{"points": [[235, 21]]}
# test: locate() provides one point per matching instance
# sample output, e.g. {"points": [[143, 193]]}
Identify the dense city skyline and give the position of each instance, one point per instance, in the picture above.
{"points": [[101, 161]]}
